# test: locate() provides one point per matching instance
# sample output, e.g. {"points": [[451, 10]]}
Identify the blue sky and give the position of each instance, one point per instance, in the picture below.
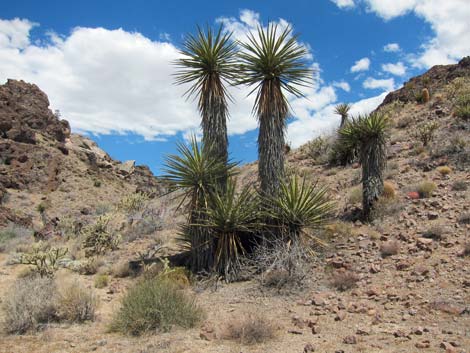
{"points": [[106, 65]]}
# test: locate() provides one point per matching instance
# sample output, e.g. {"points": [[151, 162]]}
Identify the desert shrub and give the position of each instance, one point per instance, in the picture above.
{"points": [[386, 207], [101, 281], [41, 207], [90, 266], [425, 189], [133, 203], [344, 279], [155, 304], [98, 239], [463, 111], [318, 149], [427, 132], [283, 265], [435, 232], [147, 223], [388, 191], [464, 218], [75, 302], [459, 185], [405, 122], [389, 248], [342, 154], [355, 196], [12, 236], [121, 269], [43, 260], [97, 183], [392, 170], [102, 209], [339, 229], [29, 304], [249, 329], [69, 227], [444, 170]]}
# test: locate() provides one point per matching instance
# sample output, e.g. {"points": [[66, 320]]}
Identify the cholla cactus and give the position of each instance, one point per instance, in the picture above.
{"points": [[44, 262], [98, 239], [133, 203]]}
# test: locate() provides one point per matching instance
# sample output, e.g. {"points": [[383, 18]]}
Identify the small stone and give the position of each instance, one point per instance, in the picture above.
{"points": [[423, 344], [350, 340], [340, 316], [309, 348]]}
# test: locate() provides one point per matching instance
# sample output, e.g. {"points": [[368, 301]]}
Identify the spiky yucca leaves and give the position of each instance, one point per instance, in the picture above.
{"points": [[208, 63], [273, 64], [232, 217], [343, 110], [369, 133], [298, 206], [195, 172]]}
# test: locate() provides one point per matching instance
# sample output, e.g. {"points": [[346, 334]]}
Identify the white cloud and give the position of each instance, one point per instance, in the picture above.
{"points": [[449, 19], [392, 47], [385, 84], [343, 85], [344, 3], [398, 69], [14, 34], [361, 65]]}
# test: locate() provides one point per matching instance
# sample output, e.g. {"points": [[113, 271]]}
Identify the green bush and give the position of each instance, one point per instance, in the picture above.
{"points": [[155, 304], [101, 281]]}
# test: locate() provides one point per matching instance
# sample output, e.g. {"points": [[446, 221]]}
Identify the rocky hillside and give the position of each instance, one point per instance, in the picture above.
{"points": [[399, 284], [42, 162]]}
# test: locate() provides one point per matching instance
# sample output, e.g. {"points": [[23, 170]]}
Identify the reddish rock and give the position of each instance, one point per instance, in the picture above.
{"points": [[413, 195]]}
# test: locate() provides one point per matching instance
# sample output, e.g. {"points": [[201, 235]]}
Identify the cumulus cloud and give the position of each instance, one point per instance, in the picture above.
{"points": [[343, 85], [344, 3], [398, 69], [392, 47], [385, 84], [448, 19], [361, 65]]}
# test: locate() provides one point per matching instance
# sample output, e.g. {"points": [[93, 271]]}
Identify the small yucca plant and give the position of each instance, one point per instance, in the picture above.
{"points": [[369, 133], [298, 206], [232, 217], [343, 110], [195, 173]]}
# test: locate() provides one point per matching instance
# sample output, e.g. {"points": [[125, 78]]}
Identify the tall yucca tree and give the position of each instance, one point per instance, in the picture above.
{"points": [[273, 63], [369, 133], [208, 64], [343, 111], [195, 173]]}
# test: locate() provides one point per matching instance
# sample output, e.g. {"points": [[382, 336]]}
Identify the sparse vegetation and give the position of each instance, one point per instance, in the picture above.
{"points": [[29, 305], [435, 232], [389, 248], [444, 170], [389, 191], [355, 195], [101, 280], [318, 149], [249, 329], [155, 304], [43, 260], [75, 302], [459, 185], [464, 218], [344, 279], [425, 189], [121, 269], [426, 132], [98, 239], [133, 203]]}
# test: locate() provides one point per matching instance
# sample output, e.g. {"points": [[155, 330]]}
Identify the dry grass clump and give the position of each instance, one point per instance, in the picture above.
{"points": [[75, 302], [155, 304], [343, 279], [425, 188], [121, 269], [29, 305], [444, 170], [464, 218], [355, 195], [249, 329], [389, 190], [459, 185], [435, 232], [91, 266], [389, 248], [101, 281], [386, 207], [339, 229]]}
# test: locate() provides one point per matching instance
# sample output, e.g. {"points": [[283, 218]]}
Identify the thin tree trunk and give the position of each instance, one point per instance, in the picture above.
{"points": [[202, 249], [373, 160], [271, 153]]}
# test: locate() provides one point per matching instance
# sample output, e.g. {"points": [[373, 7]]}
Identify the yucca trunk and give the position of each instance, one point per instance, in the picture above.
{"points": [[228, 252], [214, 122], [271, 137], [344, 118], [202, 243], [373, 164]]}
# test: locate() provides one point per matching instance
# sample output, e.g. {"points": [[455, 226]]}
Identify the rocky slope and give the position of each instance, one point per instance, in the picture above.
{"points": [[42, 161], [405, 280]]}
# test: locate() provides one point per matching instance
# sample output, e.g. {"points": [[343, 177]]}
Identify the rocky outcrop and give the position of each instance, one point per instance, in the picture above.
{"points": [[433, 79]]}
